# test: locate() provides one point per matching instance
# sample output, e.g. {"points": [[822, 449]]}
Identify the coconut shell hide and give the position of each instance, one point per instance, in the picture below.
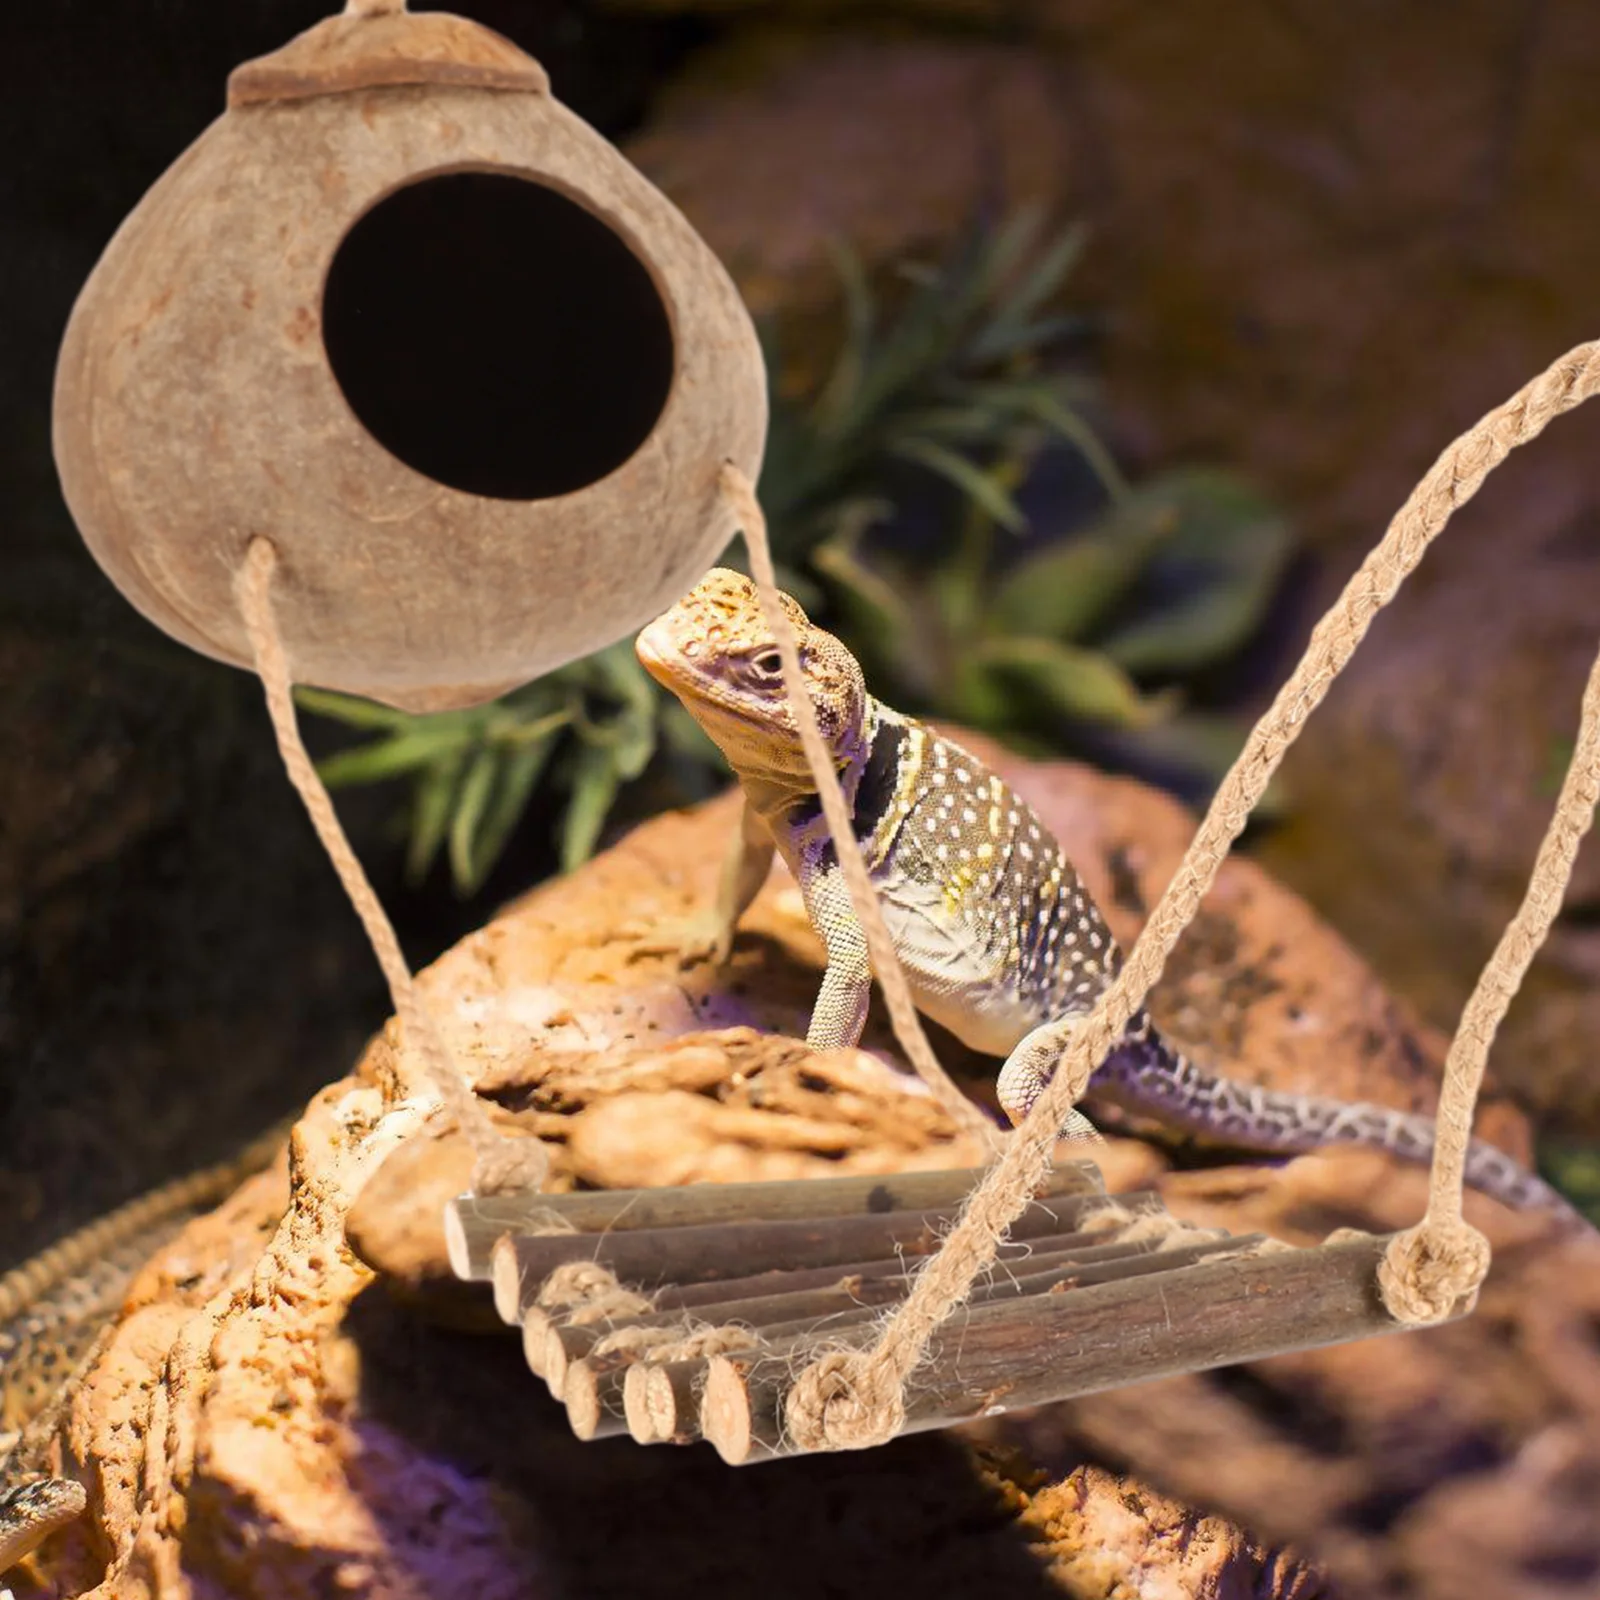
{"points": [[400, 312]]}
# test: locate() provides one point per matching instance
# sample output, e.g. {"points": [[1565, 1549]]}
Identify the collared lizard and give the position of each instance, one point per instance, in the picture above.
{"points": [[994, 929]]}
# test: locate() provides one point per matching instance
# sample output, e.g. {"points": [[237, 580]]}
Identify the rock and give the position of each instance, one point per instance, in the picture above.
{"points": [[1430, 776], [263, 1423], [782, 143], [1108, 1535], [396, 1227]]}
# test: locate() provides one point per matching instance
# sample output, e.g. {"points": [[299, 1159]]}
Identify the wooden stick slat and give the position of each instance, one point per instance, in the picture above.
{"points": [[474, 1224], [661, 1401], [566, 1340], [1041, 1348], [659, 1410], [648, 1257], [593, 1396], [537, 1320]]}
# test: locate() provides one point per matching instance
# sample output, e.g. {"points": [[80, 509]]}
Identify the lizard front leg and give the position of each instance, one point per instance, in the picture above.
{"points": [[745, 865], [707, 934], [840, 1013]]}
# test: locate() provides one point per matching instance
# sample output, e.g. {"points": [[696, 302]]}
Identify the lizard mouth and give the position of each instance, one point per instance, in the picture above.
{"points": [[657, 656]]}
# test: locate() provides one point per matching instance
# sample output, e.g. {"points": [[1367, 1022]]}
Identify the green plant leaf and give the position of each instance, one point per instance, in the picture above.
{"points": [[472, 800], [1065, 589], [350, 709], [1040, 402], [1222, 565], [839, 392], [633, 742], [631, 731], [994, 261], [973, 481], [430, 813], [873, 605], [423, 743], [1574, 1169], [1044, 280], [1078, 683], [978, 423], [1026, 340], [516, 776], [594, 789], [684, 738], [1206, 746]]}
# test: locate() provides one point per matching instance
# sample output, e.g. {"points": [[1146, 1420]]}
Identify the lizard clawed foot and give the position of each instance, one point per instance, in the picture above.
{"points": [[1027, 1070], [692, 939]]}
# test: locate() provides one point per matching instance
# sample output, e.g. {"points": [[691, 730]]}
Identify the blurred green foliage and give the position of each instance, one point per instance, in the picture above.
{"points": [[945, 394], [1574, 1169]]}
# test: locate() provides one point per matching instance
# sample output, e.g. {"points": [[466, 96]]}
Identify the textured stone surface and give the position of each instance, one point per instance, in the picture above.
{"points": [[1109, 1535], [782, 144], [266, 1420], [1430, 778]]}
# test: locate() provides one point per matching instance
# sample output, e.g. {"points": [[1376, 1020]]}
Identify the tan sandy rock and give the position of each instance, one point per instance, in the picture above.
{"points": [[783, 142], [1113, 1536], [265, 1422]]}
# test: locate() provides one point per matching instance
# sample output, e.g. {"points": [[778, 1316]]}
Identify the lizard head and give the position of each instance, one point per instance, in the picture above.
{"points": [[715, 652]]}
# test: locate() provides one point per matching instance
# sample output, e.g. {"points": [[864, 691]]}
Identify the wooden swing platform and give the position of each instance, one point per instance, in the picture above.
{"points": [[681, 1314]]}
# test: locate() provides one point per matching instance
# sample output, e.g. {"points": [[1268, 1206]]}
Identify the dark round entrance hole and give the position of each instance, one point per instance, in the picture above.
{"points": [[496, 336]]}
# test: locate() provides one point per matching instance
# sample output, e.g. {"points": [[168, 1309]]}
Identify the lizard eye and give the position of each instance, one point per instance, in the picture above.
{"points": [[769, 664]]}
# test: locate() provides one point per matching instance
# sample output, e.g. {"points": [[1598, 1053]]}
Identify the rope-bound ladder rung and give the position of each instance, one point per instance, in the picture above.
{"points": [[682, 1314]]}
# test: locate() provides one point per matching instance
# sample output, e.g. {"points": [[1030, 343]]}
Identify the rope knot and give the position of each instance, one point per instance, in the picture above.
{"points": [[1428, 1270], [844, 1401]]}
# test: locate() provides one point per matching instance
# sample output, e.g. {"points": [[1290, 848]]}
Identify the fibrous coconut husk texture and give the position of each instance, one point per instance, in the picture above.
{"points": [[272, 1417]]}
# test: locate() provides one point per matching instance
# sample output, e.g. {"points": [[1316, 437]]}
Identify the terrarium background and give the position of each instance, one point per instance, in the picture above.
{"points": [[1317, 260]]}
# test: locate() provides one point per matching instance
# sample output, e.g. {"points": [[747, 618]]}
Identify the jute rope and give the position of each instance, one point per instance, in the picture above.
{"points": [[852, 1399], [741, 497], [685, 1342], [1419, 1281], [500, 1163], [591, 1293]]}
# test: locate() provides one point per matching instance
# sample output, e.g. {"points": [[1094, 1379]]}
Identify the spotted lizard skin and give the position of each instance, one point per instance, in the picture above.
{"points": [[994, 929]]}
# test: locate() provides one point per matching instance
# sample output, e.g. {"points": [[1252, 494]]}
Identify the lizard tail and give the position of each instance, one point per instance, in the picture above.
{"points": [[1146, 1074]]}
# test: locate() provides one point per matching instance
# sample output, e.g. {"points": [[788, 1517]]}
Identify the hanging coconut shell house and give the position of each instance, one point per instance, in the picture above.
{"points": [[401, 313]]}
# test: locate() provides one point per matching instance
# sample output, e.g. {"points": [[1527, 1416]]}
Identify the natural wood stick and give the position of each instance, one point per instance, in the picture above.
{"points": [[687, 1296], [474, 1224], [648, 1257], [593, 1396], [537, 1320], [1046, 1347], [697, 1297], [533, 1347], [661, 1401], [569, 1340], [668, 1408]]}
